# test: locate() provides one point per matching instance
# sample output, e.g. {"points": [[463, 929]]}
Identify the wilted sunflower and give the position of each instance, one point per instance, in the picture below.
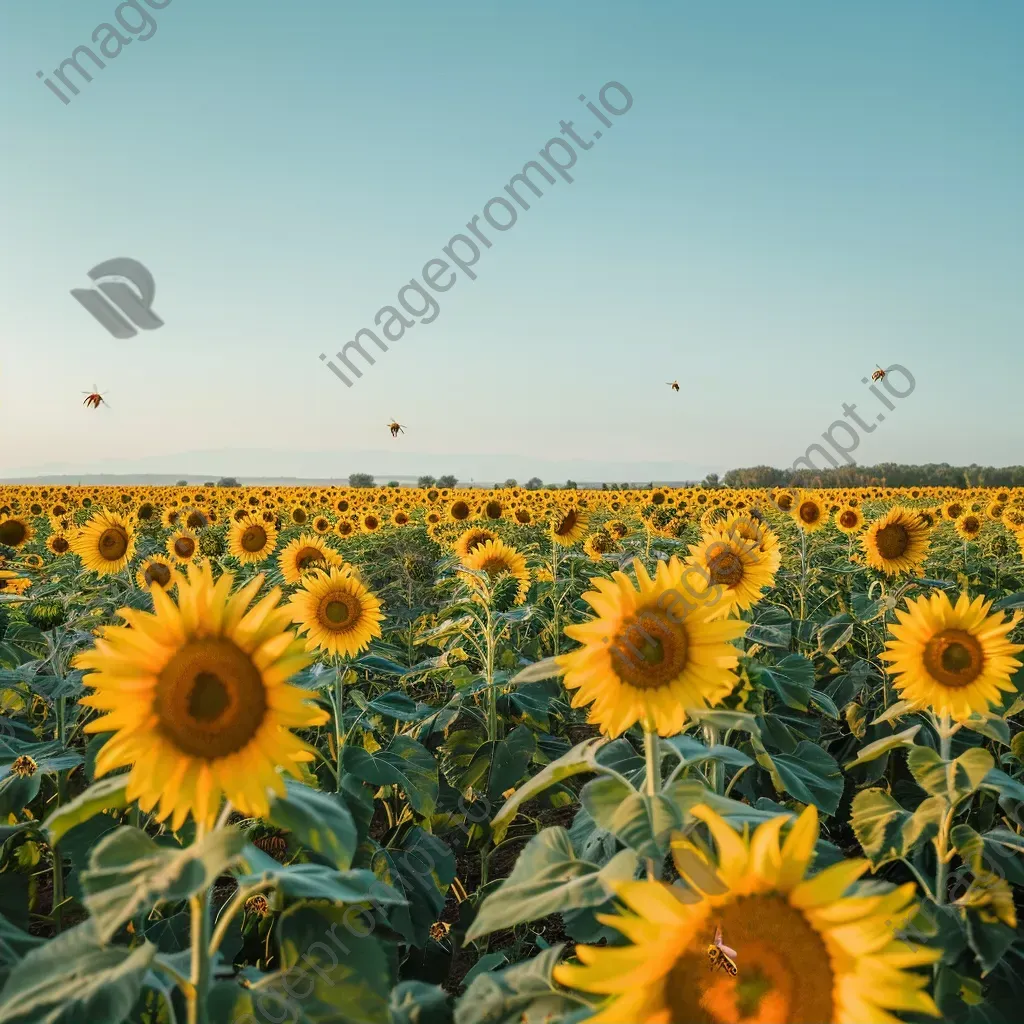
{"points": [[336, 612], [15, 532], [809, 513], [969, 525], [954, 659], [105, 544], [156, 572], [897, 542], [568, 526], [597, 545], [736, 571], [812, 950], [497, 559], [197, 697], [651, 653], [472, 538], [183, 546], [304, 554], [850, 520], [251, 540]]}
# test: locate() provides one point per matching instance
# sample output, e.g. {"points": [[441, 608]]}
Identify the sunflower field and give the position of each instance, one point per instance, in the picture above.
{"points": [[408, 756]]}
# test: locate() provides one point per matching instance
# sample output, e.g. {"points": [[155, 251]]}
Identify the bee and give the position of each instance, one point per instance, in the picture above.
{"points": [[93, 399], [673, 384], [394, 426], [879, 374], [721, 955]]}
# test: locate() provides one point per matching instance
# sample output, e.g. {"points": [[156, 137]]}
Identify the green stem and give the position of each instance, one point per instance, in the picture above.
{"points": [[652, 784], [492, 692], [197, 1008], [555, 628], [803, 574], [945, 731], [338, 702], [717, 768]]}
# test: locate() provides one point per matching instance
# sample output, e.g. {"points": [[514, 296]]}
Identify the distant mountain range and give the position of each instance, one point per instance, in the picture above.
{"points": [[254, 466]]}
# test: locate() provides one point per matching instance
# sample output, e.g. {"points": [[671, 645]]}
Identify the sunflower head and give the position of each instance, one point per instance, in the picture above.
{"points": [[336, 612], [105, 544], [808, 512], [501, 563], [897, 542]]}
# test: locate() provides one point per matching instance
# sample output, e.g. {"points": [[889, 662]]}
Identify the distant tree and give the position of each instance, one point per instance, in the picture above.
{"points": [[426, 481], [448, 481], [209, 483], [571, 485], [711, 480], [361, 480], [510, 482], [394, 483], [181, 483], [228, 481], [534, 483]]}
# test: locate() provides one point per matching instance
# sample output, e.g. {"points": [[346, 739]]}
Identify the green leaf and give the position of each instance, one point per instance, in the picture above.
{"points": [[724, 720], [642, 823], [521, 993], [835, 633], [811, 775], [582, 758], [871, 751], [106, 795], [692, 751], [791, 680], [405, 763], [512, 757], [549, 878], [970, 769], [415, 1002], [825, 704], [128, 873], [546, 669], [965, 774], [877, 821], [14, 943], [923, 824], [990, 726], [894, 711], [321, 821], [17, 792], [74, 979], [773, 628], [999, 850]]}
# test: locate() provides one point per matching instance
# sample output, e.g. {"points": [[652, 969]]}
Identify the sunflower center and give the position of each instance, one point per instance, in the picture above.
{"points": [[726, 568], [650, 651], [113, 544], [254, 538], [809, 512], [785, 971], [210, 698], [954, 658], [848, 519], [493, 510], [158, 573], [13, 532], [307, 556], [892, 540], [184, 547], [60, 545], [337, 610], [494, 567], [460, 510], [567, 523]]}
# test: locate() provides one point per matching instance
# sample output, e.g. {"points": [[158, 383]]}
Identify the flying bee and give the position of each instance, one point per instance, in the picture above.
{"points": [[673, 384], [394, 426], [879, 374], [93, 399], [721, 955]]}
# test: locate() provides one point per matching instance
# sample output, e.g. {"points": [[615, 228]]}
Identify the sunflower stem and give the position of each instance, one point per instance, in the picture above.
{"points": [[803, 576], [652, 783], [945, 731], [555, 596], [492, 692], [717, 774], [197, 1008], [338, 702]]}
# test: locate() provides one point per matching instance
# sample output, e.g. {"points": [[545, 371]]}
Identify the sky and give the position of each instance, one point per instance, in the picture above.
{"points": [[797, 194]]}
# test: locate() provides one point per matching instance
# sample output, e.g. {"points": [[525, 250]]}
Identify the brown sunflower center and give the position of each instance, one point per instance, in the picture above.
{"points": [[493, 509], [785, 502], [495, 566], [650, 651], [954, 658], [785, 972], [113, 544], [157, 572], [254, 538], [196, 520], [809, 512], [59, 545], [892, 541], [567, 524], [337, 610], [726, 567], [848, 519], [460, 510], [13, 532], [184, 547], [308, 556], [210, 698], [299, 515]]}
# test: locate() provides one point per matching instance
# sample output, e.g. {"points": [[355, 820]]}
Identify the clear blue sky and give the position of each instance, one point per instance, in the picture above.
{"points": [[800, 191]]}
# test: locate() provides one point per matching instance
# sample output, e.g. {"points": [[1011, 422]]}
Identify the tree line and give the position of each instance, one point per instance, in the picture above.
{"points": [[885, 474]]}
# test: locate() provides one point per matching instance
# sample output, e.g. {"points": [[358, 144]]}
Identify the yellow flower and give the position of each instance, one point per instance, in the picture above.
{"points": [[734, 566], [497, 559], [304, 554], [156, 572], [954, 659], [336, 611], [849, 519], [14, 532], [197, 697], [896, 543], [809, 513], [808, 950], [105, 544], [652, 652], [251, 540], [568, 526]]}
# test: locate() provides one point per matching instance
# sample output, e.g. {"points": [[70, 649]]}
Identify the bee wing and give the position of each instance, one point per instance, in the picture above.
{"points": [[718, 936], [728, 951]]}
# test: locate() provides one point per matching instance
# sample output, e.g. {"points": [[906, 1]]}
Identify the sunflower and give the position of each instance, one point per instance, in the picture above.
{"points": [[12, 583], [156, 572], [321, 525], [472, 538], [197, 697], [897, 542], [784, 500], [808, 513], [336, 612], [183, 546], [568, 526], [651, 653], [969, 525], [105, 544], [498, 559], [305, 553], [522, 515], [251, 540], [492, 509], [344, 528], [617, 529], [954, 509], [459, 511], [597, 545], [849, 520], [734, 569], [15, 532], [811, 950], [58, 544], [370, 522], [951, 658]]}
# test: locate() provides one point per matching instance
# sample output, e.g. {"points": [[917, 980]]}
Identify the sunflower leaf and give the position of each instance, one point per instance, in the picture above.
{"points": [[791, 680], [405, 763], [321, 821], [878, 821], [811, 775], [877, 748], [106, 795]]}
